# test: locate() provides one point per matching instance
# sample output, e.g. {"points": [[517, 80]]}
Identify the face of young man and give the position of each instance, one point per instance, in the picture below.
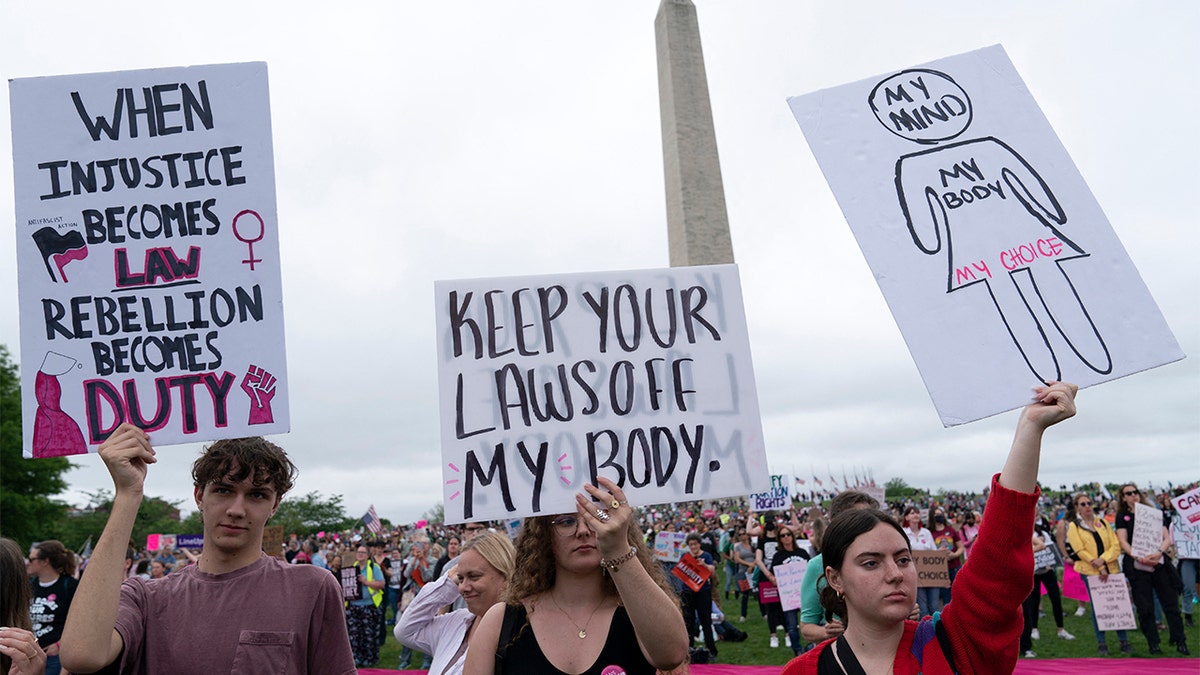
{"points": [[235, 512]]}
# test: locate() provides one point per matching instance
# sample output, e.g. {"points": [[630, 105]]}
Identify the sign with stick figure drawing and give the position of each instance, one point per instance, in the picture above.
{"points": [[148, 257], [994, 256]]}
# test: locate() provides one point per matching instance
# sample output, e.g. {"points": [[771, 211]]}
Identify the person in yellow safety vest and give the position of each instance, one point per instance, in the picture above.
{"points": [[364, 615]]}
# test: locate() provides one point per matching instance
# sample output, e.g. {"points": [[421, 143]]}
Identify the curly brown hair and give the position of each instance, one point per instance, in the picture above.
{"points": [[536, 572], [240, 458]]}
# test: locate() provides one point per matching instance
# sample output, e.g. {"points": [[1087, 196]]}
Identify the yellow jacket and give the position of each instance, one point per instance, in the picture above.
{"points": [[1084, 545]]}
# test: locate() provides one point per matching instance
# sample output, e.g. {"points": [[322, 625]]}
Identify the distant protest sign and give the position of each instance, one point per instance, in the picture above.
{"points": [[1147, 537], [546, 383], [147, 248], [932, 569], [1188, 505], [777, 498], [1111, 603], [692, 572], [669, 546], [1186, 537], [993, 255], [790, 579]]}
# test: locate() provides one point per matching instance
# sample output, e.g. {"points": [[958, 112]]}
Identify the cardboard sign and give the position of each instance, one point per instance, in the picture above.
{"points": [[692, 572], [148, 257], [1147, 536], [790, 577], [1188, 505], [643, 377], [994, 257], [1186, 537], [1111, 603], [668, 546], [932, 570], [777, 498], [272, 541], [351, 586]]}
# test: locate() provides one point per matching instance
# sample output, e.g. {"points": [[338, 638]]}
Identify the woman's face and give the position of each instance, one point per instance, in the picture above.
{"points": [[452, 547], [480, 584], [787, 539], [574, 542], [1130, 495], [913, 519], [1083, 507], [878, 576]]}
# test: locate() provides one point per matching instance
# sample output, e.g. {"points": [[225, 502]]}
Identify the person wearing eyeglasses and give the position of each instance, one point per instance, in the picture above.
{"points": [[1149, 575], [586, 596], [472, 530], [787, 552], [1094, 545]]}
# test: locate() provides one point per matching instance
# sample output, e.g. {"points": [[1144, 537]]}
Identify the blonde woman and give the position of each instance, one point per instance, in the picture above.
{"points": [[1096, 549]]}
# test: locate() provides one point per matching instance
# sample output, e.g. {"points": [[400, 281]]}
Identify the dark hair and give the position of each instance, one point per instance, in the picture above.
{"points": [[848, 499], [840, 534], [1121, 507], [240, 458], [62, 560], [692, 537], [15, 591]]}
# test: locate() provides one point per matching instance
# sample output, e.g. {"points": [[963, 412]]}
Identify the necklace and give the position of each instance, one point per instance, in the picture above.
{"points": [[582, 629]]}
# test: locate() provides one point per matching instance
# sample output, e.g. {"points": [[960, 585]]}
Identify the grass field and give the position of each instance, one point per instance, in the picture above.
{"points": [[755, 650]]}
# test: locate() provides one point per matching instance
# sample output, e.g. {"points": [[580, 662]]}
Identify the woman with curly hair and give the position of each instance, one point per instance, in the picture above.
{"points": [[586, 595]]}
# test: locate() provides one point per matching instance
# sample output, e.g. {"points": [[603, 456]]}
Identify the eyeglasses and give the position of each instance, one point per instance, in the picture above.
{"points": [[786, 534], [1083, 503], [474, 528], [1130, 493], [565, 525]]}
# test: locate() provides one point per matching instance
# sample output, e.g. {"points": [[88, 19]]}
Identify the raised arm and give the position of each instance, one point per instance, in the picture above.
{"points": [[655, 616], [90, 640], [413, 628], [1052, 404]]}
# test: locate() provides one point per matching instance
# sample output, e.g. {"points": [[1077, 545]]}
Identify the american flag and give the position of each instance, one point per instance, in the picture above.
{"points": [[371, 520]]}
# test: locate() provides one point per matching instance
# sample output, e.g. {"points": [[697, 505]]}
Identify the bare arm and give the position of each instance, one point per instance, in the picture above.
{"points": [[1052, 404], [481, 652], [90, 640]]}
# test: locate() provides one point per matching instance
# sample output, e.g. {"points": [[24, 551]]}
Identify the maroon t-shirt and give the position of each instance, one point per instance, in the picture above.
{"points": [[266, 617]]}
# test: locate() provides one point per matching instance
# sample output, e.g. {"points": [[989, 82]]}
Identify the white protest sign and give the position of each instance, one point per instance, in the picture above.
{"points": [[547, 382], [1111, 603], [147, 246], [876, 492], [669, 546], [789, 578], [777, 498], [1186, 537], [1147, 530], [1188, 505], [994, 257]]}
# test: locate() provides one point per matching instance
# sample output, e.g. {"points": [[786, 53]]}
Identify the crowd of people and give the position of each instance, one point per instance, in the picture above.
{"points": [[575, 592]]}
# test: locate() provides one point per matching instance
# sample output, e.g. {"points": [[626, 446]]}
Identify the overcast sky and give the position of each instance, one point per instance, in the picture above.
{"points": [[424, 141]]}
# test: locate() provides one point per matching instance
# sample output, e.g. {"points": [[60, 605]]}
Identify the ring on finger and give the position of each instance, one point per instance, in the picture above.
{"points": [[602, 515], [616, 504]]}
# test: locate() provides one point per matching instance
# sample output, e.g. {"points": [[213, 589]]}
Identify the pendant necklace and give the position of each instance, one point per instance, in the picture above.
{"points": [[582, 629]]}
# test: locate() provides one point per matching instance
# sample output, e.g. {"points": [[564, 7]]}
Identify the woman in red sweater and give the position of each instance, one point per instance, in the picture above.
{"points": [[872, 580]]}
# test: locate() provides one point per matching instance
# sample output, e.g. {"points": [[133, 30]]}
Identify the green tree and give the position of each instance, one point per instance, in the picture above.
{"points": [[155, 516], [436, 515], [28, 510], [310, 513], [898, 487]]}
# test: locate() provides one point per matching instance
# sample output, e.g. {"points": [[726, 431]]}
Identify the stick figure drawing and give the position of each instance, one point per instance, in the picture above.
{"points": [[993, 217]]}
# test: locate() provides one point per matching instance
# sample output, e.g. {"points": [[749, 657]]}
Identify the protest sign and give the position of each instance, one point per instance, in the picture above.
{"points": [[692, 572], [669, 545], [272, 541], [1111, 603], [1188, 505], [994, 257], [1073, 587], [777, 498], [351, 587], [790, 577], [1147, 536], [932, 569], [875, 492], [192, 541], [153, 542], [147, 249], [1186, 537], [1046, 557], [548, 382]]}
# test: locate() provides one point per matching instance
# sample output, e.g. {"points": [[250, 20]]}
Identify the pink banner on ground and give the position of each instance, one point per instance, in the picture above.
{"points": [[1073, 585], [1096, 666]]}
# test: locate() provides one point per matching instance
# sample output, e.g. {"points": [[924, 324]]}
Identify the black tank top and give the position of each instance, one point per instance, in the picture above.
{"points": [[523, 655]]}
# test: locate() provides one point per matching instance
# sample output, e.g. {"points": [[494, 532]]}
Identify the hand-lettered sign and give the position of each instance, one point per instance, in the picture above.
{"points": [[643, 377], [1186, 537], [1111, 603], [790, 579], [932, 569], [777, 498], [148, 257], [1147, 535], [669, 546], [1188, 505], [994, 256]]}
